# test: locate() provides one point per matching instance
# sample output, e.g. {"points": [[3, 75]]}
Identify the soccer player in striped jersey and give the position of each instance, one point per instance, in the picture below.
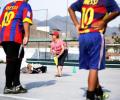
{"points": [[95, 15], [15, 24]]}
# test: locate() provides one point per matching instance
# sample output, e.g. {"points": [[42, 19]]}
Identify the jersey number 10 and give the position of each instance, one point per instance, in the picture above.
{"points": [[87, 17]]}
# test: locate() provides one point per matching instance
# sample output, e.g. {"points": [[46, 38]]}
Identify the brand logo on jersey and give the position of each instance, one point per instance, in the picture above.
{"points": [[11, 7], [91, 2]]}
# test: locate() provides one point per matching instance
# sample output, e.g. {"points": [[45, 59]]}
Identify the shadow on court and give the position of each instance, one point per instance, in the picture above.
{"points": [[66, 75], [40, 84]]}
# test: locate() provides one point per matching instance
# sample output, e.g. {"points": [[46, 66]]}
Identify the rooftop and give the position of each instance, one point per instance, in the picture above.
{"points": [[71, 86]]}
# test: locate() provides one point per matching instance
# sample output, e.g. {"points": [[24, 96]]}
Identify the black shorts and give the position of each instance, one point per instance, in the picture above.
{"points": [[61, 59]]}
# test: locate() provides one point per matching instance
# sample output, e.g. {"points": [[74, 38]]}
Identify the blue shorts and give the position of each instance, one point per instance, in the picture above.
{"points": [[92, 51]]}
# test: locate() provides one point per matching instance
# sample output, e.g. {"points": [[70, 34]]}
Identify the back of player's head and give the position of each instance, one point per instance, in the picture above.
{"points": [[21, 0], [26, 0]]}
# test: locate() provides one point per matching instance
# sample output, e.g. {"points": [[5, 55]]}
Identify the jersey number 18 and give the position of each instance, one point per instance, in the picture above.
{"points": [[8, 18]]}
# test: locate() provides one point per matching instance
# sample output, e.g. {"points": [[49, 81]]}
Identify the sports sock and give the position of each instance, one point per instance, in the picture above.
{"points": [[90, 95], [99, 91]]}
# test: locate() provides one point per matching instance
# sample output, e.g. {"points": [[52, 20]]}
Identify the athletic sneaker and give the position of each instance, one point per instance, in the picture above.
{"points": [[103, 97], [100, 98], [19, 89], [88, 99], [90, 95], [8, 90], [58, 75]]}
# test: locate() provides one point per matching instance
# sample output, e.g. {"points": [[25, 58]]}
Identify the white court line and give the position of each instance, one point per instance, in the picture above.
{"points": [[17, 97]]}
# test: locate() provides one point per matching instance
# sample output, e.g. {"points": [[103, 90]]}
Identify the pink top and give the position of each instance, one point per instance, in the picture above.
{"points": [[57, 46]]}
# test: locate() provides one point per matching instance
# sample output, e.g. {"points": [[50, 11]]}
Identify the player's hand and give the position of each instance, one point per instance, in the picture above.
{"points": [[54, 52], [25, 41], [78, 28], [58, 56], [99, 25]]}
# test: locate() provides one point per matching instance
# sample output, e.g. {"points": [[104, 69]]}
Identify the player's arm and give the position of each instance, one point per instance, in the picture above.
{"points": [[1, 19], [113, 12], [0, 23], [62, 51], [73, 16], [27, 21], [103, 23], [74, 19], [0, 32], [27, 33], [51, 51], [72, 9], [111, 16]]}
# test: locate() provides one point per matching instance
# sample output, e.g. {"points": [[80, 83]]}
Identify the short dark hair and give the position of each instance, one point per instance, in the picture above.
{"points": [[57, 36]]}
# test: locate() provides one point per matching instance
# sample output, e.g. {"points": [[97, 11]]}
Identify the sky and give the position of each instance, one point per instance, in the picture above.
{"points": [[55, 7]]}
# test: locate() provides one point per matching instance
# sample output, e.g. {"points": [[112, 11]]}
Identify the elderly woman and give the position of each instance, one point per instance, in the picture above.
{"points": [[59, 50]]}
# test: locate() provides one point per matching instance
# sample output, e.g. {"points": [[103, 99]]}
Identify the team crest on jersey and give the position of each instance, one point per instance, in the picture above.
{"points": [[28, 14], [91, 2]]}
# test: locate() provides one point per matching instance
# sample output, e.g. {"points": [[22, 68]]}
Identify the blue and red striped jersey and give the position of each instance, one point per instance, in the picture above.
{"points": [[14, 15], [92, 11]]}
